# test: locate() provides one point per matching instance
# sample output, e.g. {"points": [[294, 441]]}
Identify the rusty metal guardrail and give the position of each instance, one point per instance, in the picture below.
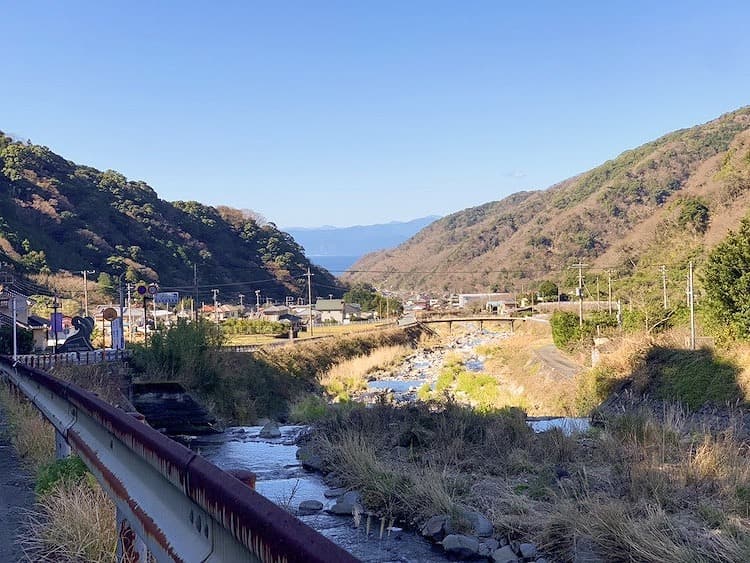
{"points": [[170, 501]]}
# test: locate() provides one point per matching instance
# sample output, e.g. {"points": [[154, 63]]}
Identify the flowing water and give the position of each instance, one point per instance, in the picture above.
{"points": [[281, 479]]}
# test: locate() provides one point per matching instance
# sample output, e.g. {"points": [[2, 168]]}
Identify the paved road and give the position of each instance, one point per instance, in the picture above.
{"points": [[551, 356], [16, 494]]}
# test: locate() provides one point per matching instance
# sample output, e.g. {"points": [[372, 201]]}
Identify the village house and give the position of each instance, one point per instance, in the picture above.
{"points": [[38, 326], [337, 311]]}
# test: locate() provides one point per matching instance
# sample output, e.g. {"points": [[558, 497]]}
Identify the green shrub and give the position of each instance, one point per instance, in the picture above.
{"points": [[308, 410], [694, 377], [69, 470], [565, 329]]}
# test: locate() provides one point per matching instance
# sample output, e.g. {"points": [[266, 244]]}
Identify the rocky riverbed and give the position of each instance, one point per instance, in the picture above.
{"points": [[423, 367], [334, 512]]}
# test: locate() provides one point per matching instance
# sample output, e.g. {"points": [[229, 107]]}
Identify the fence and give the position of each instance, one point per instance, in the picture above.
{"points": [[46, 361]]}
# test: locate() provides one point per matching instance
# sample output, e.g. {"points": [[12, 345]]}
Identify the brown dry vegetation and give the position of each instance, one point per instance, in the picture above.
{"points": [[653, 481], [74, 520], [646, 486], [349, 376]]}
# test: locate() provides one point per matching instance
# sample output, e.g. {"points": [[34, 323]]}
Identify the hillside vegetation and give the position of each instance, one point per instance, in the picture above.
{"points": [[662, 203], [57, 215]]}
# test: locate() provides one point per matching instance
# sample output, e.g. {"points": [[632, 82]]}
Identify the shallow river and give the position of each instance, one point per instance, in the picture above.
{"points": [[283, 480]]}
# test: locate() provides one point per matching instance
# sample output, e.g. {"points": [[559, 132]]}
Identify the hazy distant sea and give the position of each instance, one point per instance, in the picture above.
{"points": [[337, 265]]}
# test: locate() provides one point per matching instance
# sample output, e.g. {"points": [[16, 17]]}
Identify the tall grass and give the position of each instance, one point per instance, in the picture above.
{"points": [[239, 388], [652, 485], [31, 435], [72, 523], [349, 376], [73, 520]]}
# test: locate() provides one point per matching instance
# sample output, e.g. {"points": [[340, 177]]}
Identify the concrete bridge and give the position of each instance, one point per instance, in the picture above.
{"points": [[480, 319]]}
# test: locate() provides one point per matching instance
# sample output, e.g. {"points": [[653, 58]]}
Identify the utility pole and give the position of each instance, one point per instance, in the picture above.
{"points": [[691, 300], [195, 293], [86, 290], [309, 298], [55, 307], [664, 285], [130, 315], [216, 306], [121, 320], [242, 300], [15, 330], [609, 290], [598, 301], [580, 267]]}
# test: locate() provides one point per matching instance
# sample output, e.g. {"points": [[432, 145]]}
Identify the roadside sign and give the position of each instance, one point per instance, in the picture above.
{"points": [[118, 335], [167, 297], [141, 289], [109, 314], [153, 289]]}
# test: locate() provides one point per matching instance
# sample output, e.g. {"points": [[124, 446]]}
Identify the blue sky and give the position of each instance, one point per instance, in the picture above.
{"points": [[343, 113]]}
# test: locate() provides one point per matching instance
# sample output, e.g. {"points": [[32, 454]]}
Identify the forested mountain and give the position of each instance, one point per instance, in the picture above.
{"points": [[58, 215], [665, 202]]}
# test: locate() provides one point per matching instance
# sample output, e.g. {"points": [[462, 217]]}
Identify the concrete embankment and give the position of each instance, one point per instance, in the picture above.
{"points": [[16, 496]]}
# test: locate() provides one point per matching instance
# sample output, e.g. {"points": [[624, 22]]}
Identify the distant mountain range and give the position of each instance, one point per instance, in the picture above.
{"points": [[337, 248], [664, 203]]}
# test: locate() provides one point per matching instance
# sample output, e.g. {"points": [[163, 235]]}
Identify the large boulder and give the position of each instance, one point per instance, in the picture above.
{"points": [[344, 505], [463, 547], [310, 507], [505, 555], [309, 459], [270, 430], [478, 522], [437, 527]]}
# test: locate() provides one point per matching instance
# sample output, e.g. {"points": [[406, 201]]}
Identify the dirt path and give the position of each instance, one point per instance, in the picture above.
{"points": [[551, 356], [16, 494]]}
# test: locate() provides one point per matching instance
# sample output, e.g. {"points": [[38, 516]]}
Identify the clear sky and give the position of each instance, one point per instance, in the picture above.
{"points": [[360, 112]]}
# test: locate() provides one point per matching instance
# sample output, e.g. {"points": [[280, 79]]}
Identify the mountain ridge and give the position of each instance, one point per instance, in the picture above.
{"points": [[57, 215], [664, 201]]}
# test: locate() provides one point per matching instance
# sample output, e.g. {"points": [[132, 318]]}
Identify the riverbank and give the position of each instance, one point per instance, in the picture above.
{"points": [[663, 476]]}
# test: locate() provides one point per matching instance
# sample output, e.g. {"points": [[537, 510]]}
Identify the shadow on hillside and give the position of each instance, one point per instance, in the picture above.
{"points": [[692, 377]]}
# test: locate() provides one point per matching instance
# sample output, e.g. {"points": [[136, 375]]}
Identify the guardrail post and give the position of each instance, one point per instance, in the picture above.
{"points": [[62, 448], [130, 548]]}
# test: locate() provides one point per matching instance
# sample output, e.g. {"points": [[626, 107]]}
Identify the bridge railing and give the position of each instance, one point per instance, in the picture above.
{"points": [[46, 361], [170, 501]]}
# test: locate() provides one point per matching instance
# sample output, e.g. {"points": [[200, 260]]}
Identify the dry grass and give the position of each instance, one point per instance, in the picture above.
{"points": [[523, 379], [650, 486], [395, 492], [32, 436], [349, 376], [72, 523]]}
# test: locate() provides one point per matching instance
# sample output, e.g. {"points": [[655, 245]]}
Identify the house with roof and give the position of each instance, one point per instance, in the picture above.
{"points": [[274, 312], [337, 310], [39, 327]]}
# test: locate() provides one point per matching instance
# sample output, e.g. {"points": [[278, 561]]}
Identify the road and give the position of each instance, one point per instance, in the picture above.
{"points": [[16, 495], [552, 357]]}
